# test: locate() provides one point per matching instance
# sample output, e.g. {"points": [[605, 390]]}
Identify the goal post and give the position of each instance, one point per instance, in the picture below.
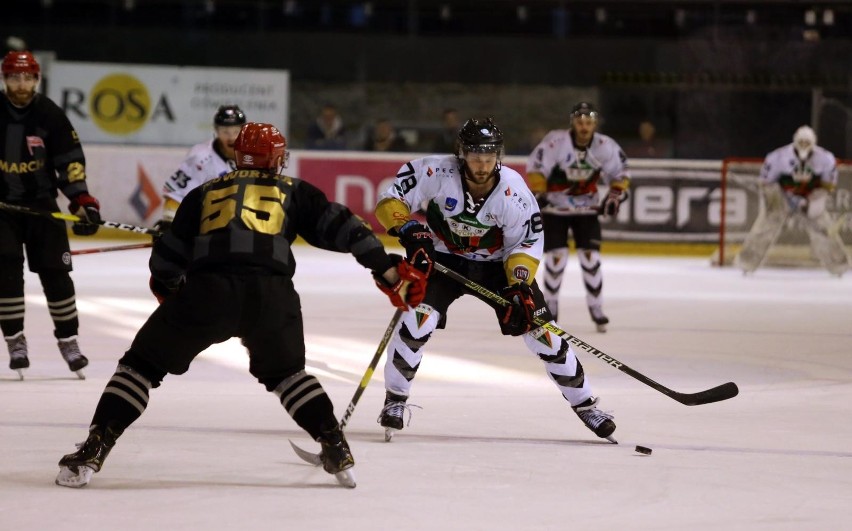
{"points": [[740, 187]]}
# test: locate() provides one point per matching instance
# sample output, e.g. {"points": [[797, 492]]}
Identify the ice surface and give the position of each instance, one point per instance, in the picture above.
{"points": [[494, 447]]}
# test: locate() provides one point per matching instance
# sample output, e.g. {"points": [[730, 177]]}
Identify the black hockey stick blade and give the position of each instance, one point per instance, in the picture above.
{"points": [[708, 396], [306, 456]]}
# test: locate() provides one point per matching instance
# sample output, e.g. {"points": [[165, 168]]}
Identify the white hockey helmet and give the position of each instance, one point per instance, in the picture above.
{"points": [[804, 141]]}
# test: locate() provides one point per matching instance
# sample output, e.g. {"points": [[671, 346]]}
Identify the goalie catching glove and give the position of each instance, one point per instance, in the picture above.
{"points": [[88, 210], [404, 284], [518, 317], [417, 240]]}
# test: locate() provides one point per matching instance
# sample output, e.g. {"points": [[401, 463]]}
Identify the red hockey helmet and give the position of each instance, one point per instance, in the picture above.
{"points": [[20, 63], [260, 146]]}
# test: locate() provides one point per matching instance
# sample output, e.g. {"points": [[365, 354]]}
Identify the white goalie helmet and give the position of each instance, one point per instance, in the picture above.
{"points": [[804, 141]]}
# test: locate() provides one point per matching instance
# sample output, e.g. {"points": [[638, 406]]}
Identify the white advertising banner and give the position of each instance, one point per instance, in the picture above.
{"points": [[162, 105]]}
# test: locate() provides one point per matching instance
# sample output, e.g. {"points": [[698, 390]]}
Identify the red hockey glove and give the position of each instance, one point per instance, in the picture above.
{"points": [[417, 240], [518, 317], [409, 288], [88, 210], [612, 201]]}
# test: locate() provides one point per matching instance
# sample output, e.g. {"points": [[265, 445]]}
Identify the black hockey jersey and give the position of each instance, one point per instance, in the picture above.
{"points": [[40, 152], [249, 218]]}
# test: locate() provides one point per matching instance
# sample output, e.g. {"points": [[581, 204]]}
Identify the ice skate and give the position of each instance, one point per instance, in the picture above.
{"points": [[76, 470], [336, 457], [391, 417], [596, 420], [18, 360], [75, 359], [599, 318]]}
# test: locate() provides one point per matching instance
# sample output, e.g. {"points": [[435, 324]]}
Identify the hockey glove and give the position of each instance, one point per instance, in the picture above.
{"points": [[407, 287], [417, 240], [542, 200], [163, 225], [88, 210], [518, 317], [162, 289], [817, 203], [612, 201]]}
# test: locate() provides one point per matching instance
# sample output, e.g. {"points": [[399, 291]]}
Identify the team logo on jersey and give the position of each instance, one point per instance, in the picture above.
{"points": [[429, 172], [421, 313], [521, 273], [66, 258], [34, 142], [542, 336], [508, 192], [451, 203]]}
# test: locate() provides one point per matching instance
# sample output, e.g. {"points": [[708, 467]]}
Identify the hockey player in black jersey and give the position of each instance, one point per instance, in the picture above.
{"points": [[224, 269], [40, 154]]}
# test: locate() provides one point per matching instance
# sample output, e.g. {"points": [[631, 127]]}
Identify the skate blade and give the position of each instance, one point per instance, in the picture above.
{"points": [[611, 439], [307, 456], [20, 373], [75, 480], [346, 478], [389, 434], [80, 374], [601, 328]]}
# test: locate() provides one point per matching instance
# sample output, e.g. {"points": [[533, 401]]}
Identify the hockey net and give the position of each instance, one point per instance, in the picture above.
{"points": [[741, 193]]}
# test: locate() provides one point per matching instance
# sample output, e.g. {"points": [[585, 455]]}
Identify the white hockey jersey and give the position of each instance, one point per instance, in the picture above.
{"points": [[201, 164], [506, 222], [573, 174], [797, 177]]}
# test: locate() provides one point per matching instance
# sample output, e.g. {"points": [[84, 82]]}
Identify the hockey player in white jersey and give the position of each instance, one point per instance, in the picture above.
{"points": [[796, 180], [564, 172], [483, 222], [204, 162]]}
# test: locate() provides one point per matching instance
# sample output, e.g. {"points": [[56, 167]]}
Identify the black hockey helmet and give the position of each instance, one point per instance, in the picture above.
{"points": [[477, 136], [229, 115], [584, 109]]}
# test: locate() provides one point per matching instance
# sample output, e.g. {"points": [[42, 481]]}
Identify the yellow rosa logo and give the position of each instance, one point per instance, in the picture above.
{"points": [[119, 104]]}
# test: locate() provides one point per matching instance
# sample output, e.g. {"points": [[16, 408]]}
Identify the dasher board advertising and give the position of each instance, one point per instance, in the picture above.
{"points": [[162, 105]]}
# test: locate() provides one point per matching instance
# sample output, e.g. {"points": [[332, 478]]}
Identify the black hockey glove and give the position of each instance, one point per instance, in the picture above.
{"points": [[88, 210], [163, 225], [162, 289], [541, 199], [419, 249], [612, 201], [518, 317]]}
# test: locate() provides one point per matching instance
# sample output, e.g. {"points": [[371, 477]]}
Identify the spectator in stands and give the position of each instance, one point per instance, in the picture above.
{"points": [[384, 137], [450, 125], [648, 145], [327, 131]]}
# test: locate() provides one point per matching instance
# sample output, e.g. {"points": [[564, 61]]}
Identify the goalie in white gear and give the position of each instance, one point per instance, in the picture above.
{"points": [[796, 180], [564, 171], [204, 162]]}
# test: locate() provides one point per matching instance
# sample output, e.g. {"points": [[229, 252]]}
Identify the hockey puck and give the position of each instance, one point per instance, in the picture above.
{"points": [[643, 450]]}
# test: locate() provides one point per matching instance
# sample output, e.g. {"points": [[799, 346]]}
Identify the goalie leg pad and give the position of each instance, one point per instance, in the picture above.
{"points": [[764, 232], [826, 244]]}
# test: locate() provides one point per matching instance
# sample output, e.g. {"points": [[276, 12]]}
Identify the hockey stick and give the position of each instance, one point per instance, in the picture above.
{"points": [[315, 459], [708, 396], [71, 217], [115, 248]]}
